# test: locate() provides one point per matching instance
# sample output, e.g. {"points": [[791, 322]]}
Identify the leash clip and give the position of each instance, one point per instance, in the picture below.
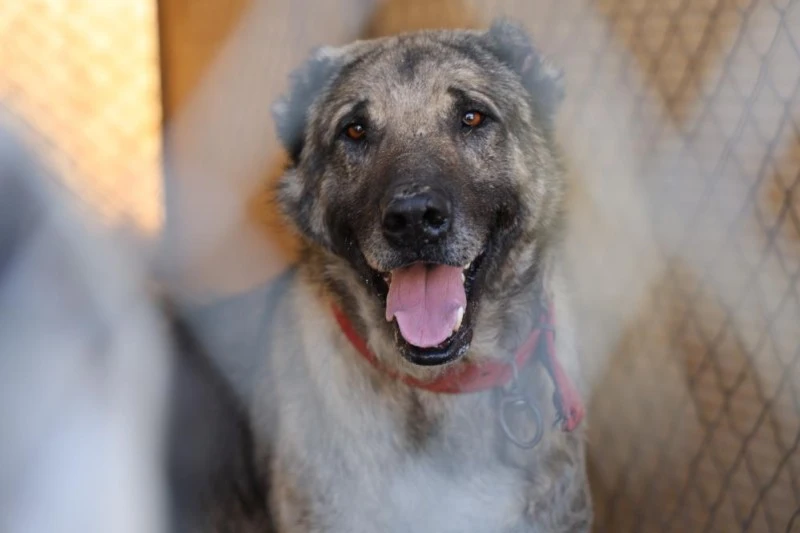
{"points": [[513, 400]]}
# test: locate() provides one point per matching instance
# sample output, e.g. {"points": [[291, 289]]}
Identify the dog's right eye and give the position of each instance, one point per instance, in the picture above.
{"points": [[355, 131], [472, 119]]}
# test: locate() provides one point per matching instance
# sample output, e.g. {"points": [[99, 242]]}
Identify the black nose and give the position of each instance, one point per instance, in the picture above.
{"points": [[412, 220]]}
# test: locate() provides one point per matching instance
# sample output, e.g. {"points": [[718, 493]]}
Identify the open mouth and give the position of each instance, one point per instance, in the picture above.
{"points": [[430, 306]]}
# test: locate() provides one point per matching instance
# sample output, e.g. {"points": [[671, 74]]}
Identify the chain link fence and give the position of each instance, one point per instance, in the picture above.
{"points": [[702, 432]]}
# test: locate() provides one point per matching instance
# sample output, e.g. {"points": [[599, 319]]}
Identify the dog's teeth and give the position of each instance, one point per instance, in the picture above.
{"points": [[463, 278], [459, 318]]}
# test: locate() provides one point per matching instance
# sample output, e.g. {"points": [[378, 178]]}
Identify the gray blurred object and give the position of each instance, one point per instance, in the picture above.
{"points": [[83, 370]]}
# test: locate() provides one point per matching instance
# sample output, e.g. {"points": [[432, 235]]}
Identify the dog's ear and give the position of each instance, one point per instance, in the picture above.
{"points": [[291, 113], [513, 46], [305, 84]]}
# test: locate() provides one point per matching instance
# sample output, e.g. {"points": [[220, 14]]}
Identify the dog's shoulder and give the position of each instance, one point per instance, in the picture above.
{"points": [[214, 474]]}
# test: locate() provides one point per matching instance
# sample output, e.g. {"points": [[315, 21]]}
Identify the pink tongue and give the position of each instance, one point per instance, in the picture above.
{"points": [[425, 300]]}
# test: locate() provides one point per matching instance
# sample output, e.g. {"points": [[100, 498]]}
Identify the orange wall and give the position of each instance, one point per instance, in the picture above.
{"points": [[83, 75]]}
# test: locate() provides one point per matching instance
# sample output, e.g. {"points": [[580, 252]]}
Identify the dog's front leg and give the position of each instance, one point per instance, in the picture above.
{"points": [[292, 504], [559, 500]]}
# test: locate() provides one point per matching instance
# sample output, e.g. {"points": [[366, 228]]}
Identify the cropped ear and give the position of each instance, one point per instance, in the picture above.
{"points": [[290, 112], [543, 80]]}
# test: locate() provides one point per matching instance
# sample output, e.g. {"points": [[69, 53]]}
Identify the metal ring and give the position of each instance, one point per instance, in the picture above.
{"points": [[517, 402]]}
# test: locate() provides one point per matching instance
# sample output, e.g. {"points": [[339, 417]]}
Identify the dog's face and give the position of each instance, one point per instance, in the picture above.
{"points": [[425, 164]]}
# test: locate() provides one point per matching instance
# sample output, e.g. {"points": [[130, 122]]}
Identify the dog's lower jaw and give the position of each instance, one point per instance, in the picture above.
{"points": [[494, 332]]}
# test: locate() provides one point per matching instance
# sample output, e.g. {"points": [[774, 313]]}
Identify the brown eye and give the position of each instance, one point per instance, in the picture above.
{"points": [[473, 119], [355, 131]]}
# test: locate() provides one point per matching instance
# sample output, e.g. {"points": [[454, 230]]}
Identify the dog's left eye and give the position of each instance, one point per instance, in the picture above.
{"points": [[472, 119], [355, 131]]}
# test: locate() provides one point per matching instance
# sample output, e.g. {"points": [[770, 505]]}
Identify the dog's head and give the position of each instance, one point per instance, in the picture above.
{"points": [[424, 178]]}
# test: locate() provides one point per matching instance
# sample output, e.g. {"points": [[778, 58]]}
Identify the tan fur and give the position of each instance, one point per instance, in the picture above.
{"points": [[376, 454], [342, 445]]}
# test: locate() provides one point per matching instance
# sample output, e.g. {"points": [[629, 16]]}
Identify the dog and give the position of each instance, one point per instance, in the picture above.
{"points": [[417, 371]]}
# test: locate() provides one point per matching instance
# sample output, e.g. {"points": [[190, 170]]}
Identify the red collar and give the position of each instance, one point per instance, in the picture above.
{"points": [[475, 377]]}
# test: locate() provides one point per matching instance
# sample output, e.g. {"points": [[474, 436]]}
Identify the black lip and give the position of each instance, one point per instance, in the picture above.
{"points": [[456, 345], [453, 348]]}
